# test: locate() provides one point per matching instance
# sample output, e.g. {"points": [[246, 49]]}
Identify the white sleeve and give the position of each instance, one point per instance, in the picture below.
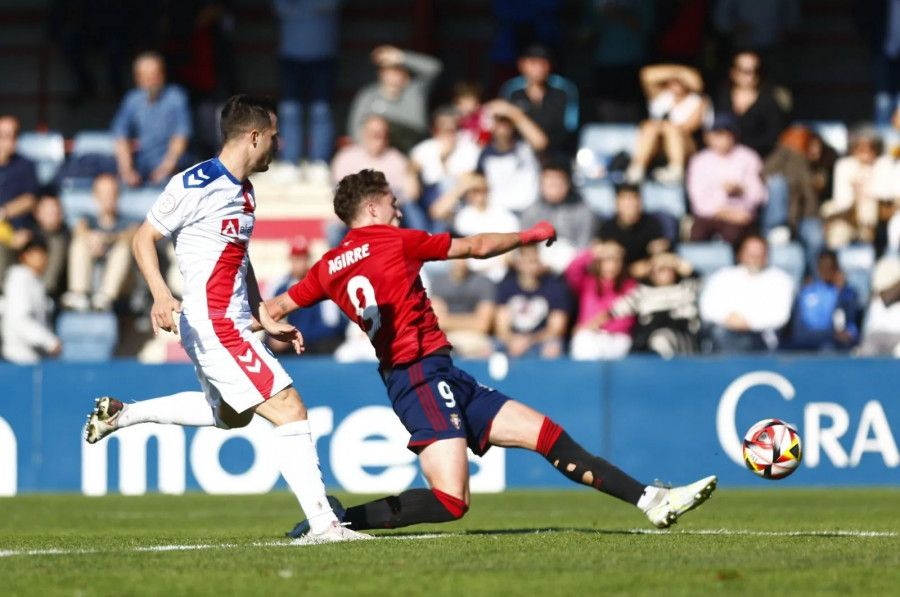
{"points": [[715, 305], [19, 310], [172, 210], [773, 310]]}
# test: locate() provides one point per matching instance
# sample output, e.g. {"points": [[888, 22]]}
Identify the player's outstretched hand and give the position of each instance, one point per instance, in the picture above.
{"points": [[161, 314], [540, 232], [281, 330]]}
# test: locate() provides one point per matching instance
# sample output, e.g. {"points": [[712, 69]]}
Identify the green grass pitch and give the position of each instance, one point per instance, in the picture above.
{"points": [[775, 541]]}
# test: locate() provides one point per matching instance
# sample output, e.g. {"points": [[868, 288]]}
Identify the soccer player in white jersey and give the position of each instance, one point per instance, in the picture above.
{"points": [[208, 212]]}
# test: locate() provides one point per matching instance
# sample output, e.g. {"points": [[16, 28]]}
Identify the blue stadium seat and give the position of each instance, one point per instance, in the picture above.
{"points": [[135, 203], [857, 263], [87, 336], [791, 259], [597, 144], [600, 196], [77, 202], [664, 198], [707, 257], [833, 132], [94, 142], [46, 150]]}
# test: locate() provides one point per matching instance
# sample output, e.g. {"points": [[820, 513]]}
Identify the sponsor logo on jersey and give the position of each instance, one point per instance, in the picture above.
{"points": [[346, 258], [230, 227]]}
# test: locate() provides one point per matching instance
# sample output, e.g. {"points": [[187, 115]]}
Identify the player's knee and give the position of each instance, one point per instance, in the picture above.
{"points": [[288, 405], [454, 505]]}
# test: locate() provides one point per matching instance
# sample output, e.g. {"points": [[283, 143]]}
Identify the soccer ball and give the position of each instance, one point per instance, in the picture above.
{"points": [[772, 449]]}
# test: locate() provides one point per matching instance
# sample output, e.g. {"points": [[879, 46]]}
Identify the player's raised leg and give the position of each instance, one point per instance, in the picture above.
{"points": [[299, 465], [190, 409], [519, 426]]}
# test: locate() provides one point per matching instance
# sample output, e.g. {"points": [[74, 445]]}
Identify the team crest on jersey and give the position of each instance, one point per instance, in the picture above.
{"points": [[454, 418], [167, 203], [230, 227]]}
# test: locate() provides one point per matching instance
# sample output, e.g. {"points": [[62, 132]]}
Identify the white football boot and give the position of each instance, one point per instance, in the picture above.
{"points": [[678, 500], [335, 533], [302, 527], [102, 421]]}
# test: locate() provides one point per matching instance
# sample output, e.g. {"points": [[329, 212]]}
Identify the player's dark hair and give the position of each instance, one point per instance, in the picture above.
{"points": [[243, 113], [355, 189]]}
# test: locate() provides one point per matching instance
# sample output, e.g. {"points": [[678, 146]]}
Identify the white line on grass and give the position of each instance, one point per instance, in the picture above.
{"points": [[204, 546]]}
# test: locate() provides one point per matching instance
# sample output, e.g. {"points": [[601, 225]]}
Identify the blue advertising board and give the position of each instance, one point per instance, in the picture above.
{"points": [[673, 420]]}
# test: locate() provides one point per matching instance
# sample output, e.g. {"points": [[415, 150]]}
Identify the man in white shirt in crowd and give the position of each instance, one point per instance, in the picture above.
{"points": [[745, 306], [27, 333]]}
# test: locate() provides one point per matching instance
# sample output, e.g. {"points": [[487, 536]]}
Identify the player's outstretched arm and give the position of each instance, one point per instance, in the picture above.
{"points": [[489, 244], [279, 306], [164, 304]]}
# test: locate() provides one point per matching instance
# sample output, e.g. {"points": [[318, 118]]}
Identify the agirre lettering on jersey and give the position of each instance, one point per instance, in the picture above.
{"points": [[348, 258]]}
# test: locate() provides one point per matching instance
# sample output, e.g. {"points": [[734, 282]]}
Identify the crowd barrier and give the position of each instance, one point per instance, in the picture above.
{"points": [[669, 420]]}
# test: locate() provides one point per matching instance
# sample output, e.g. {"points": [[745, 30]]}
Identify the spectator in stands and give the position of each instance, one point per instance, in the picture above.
{"points": [[104, 240], [861, 180], [760, 118], [308, 60], [18, 194], [746, 305], [598, 278], [437, 163], [375, 152], [825, 313], [158, 117], [562, 206], [465, 303], [793, 204], [400, 95], [477, 216], [724, 186], [620, 32], [509, 163], [881, 328], [677, 110], [323, 325], [533, 312], [665, 307], [638, 233], [548, 99], [822, 158], [27, 332], [52, 231], [879, 27], [474, 120]]}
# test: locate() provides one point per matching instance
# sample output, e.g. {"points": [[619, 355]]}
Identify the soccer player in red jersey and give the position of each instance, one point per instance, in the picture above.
{"points": [[373, 276]]}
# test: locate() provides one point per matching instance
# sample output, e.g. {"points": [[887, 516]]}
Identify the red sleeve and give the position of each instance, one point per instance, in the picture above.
{"points": [[424, 246], [308, 291]]}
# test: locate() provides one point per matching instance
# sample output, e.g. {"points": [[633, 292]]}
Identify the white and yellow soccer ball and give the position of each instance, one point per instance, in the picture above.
{"points": [[772, 449]]}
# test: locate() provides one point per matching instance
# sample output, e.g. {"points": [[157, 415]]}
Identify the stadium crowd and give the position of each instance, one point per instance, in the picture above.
{"points": [[772, 244]]}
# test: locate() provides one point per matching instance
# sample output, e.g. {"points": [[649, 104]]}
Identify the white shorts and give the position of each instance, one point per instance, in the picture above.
{"points": [[231, 363]]}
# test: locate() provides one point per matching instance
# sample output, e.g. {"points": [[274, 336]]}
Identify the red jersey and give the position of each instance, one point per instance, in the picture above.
{"points": [[373, 276]]}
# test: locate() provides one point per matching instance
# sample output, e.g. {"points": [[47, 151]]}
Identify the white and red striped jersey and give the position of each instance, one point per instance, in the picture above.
{"points": [[209, 215]]}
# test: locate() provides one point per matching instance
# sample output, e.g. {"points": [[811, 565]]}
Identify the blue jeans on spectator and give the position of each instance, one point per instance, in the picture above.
{"points": [[812, 234], [775, 212], [727, 341], [307, 86]]}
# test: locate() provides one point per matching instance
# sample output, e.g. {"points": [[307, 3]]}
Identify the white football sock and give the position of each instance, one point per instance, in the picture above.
{"points": [[300, 468], [651, 497], [189, 409]]}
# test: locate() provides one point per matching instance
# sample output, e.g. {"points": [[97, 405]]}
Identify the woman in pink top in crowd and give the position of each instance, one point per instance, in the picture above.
{"points": [[597, 276]]}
